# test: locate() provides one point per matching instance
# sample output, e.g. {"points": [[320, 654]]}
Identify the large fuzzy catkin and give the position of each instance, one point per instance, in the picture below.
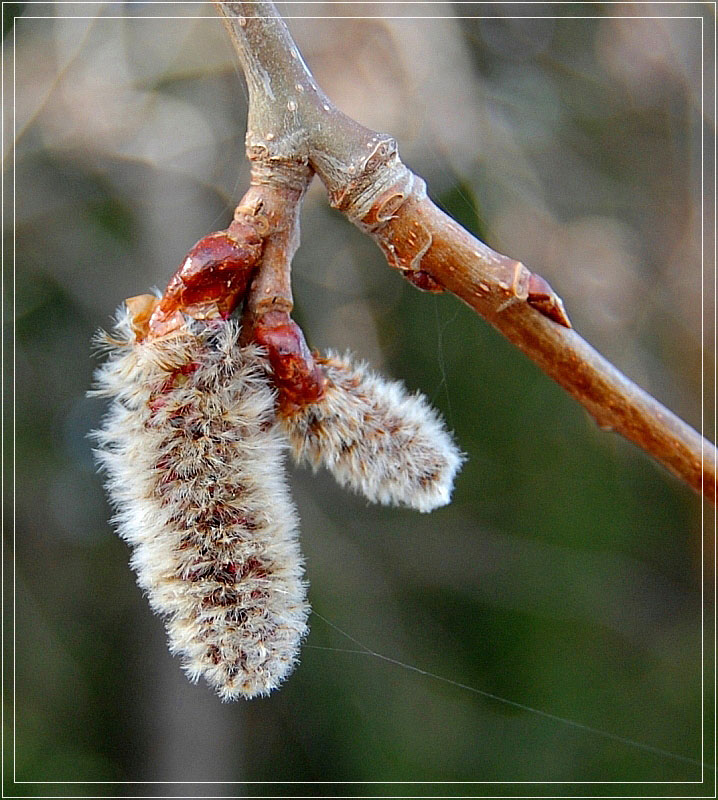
{"points": [[375, 438], [194, 459]]}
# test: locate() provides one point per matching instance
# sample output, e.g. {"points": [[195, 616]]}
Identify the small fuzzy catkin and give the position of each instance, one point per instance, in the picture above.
{"points": [[195, 466], [375, 438]]}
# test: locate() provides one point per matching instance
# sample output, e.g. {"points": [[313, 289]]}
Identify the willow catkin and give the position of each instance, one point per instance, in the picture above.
{"points": [[194, 460], [375, 438]]}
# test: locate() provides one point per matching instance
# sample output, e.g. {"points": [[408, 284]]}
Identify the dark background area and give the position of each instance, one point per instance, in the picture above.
{"points": [[566, 574]]}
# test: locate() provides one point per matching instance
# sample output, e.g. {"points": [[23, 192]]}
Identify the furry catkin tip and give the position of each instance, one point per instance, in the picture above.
{"points": [[375, 438], [195, 468]]}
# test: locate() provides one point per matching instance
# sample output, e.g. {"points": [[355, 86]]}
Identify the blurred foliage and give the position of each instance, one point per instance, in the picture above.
{"points": [[565, 576], [10, 11]]}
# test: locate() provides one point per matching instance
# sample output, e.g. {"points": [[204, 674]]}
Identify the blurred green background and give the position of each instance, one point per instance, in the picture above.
{"points": [[565, 576]]}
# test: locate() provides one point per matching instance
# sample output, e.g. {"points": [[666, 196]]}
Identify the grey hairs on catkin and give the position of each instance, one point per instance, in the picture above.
{"points": [[194, 459], [376, 438], [193, 448]]}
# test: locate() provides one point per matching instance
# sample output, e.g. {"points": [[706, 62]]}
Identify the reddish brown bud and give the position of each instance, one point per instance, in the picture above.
{"points": [[298, 378], [422, 280], [543, 298], [212, 279]]}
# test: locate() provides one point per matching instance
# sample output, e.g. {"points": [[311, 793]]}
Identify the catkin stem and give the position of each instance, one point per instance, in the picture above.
{"points": [[273, 203]]}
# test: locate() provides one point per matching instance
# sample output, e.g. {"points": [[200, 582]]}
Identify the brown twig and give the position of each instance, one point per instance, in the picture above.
{"points": [[272, 205], [291, 120]]}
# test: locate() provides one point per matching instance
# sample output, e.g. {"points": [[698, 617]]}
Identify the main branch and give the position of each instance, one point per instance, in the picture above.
{"points": [[292, 122]]}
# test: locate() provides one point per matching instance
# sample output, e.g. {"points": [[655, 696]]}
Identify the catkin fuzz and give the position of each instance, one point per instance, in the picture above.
{"points": [[195, 468], [375, 438]]}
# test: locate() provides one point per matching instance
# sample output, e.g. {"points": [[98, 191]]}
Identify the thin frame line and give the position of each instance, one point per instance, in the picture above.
{"points": [[702, 412], [352, 783], [288, 16], [348, 2], [14, 399], [2, 414], [362, 797], [384, 2]]}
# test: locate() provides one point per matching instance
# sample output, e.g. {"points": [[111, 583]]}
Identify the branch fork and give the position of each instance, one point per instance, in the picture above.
{"points": [[294, 132]]}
